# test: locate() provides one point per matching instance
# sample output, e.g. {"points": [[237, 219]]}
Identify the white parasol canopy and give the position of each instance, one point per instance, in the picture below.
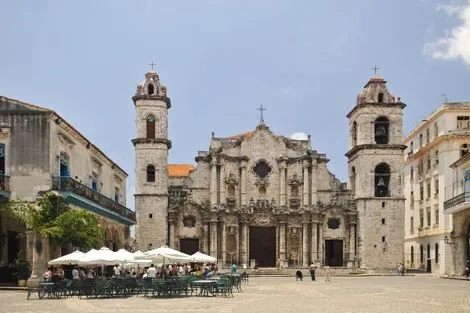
{"points": [[203, 258], [164, 253], [103, 256], [71, 258], [124, 256]]}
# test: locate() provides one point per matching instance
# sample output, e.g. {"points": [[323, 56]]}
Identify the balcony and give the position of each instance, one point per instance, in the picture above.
{"points": [[4, 186], [82, 196], [457, 204]]}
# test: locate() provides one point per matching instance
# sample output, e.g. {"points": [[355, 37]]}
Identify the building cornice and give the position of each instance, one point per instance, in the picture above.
{"points": [[358, 148], [153, 97], [137, 141], [376, 105]]}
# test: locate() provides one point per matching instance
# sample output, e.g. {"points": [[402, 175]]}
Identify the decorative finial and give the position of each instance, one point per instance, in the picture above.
{"points": [[445, 98], [213, 134], [261, 109], [375, 68], [152, 65]]}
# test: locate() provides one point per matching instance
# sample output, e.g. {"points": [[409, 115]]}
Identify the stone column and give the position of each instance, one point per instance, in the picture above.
{"points": [[282, 185], [243, 246], [213, 184], [222, 182], [306, 183], [213, 238], [40, 258], [352, 244], [243, 183], [305, 244], [313, 183], [206, 238], [223, 246], [314, 247], [321, 243], [282, 242], [172, 234]]}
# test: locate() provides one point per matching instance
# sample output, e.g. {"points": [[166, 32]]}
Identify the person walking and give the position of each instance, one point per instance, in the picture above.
{"points": [[327, 273], [312, 269]]}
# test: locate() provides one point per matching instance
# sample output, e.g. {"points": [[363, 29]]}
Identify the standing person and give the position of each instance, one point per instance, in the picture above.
{"points": [[117, 271], [327, 273], [234, 268], [152, 272], [467, 269], [312, 269], [75, 273]]}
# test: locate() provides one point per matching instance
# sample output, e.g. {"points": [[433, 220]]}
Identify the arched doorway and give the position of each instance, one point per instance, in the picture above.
{"points": [[467, 242]]}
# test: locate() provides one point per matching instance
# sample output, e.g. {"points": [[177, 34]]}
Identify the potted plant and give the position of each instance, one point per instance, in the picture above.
{"points": [[22, 268]]}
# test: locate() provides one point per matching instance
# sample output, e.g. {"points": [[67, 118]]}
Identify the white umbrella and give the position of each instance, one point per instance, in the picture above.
{"points": [[203, 258], [71, 258], [124, 255], [103, 256], [164, 253]]}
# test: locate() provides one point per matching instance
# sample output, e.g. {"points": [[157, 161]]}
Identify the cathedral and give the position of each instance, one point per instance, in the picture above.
{"points": [[263, 199]]}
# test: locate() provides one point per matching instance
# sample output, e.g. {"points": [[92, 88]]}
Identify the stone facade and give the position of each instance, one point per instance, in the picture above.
{"points": [[262, 199], [375, 174]]}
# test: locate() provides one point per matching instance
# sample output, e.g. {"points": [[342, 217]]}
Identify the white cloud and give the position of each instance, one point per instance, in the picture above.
{"points": [[456, 43], [299, 136]]}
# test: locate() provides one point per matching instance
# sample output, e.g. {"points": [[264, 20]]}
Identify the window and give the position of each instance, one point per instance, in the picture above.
{"points": [[150, 215], [412, 199], [381, 128], [412, 173], [151, 173], [428, 216], [436, 214], [464, 149], [436, 130], [383, 238], [427, 136], [412, 225], [151, 89], [189, 221], [383, 204], [353, 179], [437, 157], [150, 126], [420, 168], [380, 97], [262, 169], [463, 122], [383, 221], [116, 194], [436, 186], [428, 190], [421, 191], [436, 252], [421, 254], [420, 140], [64, 165], [2, 159], [354, 133], [421, 218], [94, 182], [412, 252], [428, 161], [428, 254], [411, 147], [382, 179]]}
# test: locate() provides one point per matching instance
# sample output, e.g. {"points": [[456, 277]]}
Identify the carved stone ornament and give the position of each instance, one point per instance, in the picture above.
{"points": [[294, 181], [66, 140], [231, 180], [262, 219]]}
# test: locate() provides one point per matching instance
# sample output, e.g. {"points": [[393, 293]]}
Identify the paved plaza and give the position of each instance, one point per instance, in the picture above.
{"points": [[281, 294]]}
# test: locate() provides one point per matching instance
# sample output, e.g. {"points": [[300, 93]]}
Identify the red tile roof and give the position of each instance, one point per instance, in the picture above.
{"points": [[180, 170]]}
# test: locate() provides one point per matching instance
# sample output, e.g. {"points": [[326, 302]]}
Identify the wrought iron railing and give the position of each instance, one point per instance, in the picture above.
{"points": [[461, 198], [71, 185], [4, 182]]}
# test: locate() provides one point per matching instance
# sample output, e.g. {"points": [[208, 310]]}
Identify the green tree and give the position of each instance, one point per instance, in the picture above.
{"points": [[51, 217]]}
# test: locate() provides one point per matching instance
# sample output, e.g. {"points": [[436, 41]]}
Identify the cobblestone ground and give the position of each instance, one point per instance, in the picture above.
{"points": [[274, 294]]}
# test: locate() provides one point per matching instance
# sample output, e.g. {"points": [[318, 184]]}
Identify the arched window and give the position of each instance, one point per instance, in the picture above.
{"points": [[436, 252], [354, 133], [353, 180], [150, 126], [412, 252], [64, 165], [151, 89], [381, 130], [421, 254], [464, 149], [94, 181], [380, 97], [151, 173], [382, 180]]}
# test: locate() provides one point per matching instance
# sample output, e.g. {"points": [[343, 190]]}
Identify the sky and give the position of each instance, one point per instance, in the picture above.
{"points": [[305, 61]]}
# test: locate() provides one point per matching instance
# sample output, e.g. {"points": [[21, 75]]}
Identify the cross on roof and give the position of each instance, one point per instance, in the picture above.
{"points": [[152, 65], [375, 68], [261, 109]]}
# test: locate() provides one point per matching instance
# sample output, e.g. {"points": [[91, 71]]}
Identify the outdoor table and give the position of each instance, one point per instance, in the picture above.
{"points": [[206, 287], [48, 290]]}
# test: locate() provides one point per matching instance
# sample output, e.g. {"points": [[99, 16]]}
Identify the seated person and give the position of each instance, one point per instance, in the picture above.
{"points": [[299, 275]]}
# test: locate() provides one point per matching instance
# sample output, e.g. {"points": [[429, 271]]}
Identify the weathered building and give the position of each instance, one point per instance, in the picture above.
{"points": [[430, 186], [263, 199], [39, 152]]}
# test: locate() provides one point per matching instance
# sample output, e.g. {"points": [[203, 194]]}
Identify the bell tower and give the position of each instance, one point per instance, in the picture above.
{"points": [[151, 147], [375, 162]]}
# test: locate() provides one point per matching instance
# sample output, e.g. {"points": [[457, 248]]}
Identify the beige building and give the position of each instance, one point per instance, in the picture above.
{"points": [[437, 142], [264, 199], [39, 152]]}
